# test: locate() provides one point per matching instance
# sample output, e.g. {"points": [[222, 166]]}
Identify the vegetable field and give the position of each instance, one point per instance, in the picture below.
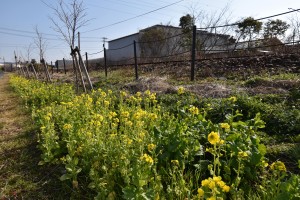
{"points": [[114, 144]]}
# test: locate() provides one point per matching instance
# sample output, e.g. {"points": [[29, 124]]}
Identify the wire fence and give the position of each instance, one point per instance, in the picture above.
{"points": [[177, 45]]}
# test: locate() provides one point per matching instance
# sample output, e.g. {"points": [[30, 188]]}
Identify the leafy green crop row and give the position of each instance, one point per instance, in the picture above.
{"points": [[132, 147]]}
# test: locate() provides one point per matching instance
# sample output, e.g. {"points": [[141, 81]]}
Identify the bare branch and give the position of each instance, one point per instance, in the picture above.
{"points": [[68, 19], [40, 43]]}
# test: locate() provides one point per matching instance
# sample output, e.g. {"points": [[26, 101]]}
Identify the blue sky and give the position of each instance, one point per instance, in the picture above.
{"points": [[19, 17]]}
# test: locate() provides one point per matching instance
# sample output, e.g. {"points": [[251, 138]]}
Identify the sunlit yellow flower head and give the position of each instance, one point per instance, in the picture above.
{"points": [[147, 158], [123, 93], [242, 154], [225, 188], [205, 182], [212, 198], [175, 162], [180, 90], [67, 126], [225, 125], [278, 165], [200, 192], [138, 94], [106, 103], [213, 138], [217, 178], [194, 110], [151, 147], [125, 114], [264, 163], [103, 94], [147, 92], [112, 115], [233, 99], [128, 123]]}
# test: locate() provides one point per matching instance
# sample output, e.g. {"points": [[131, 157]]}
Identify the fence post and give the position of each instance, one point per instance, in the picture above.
{"points": [[193, 53], [105, 63], [135, 61], [64, 65], [56, 63], [87, 61]]}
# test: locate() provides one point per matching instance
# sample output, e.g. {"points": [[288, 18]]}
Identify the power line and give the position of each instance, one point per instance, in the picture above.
{"points": [[131, 18], [31, 32], [29, 36]]}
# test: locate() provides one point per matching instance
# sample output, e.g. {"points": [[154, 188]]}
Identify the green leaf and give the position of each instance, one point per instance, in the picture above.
{"points": [[65, 177], [262, 149]]}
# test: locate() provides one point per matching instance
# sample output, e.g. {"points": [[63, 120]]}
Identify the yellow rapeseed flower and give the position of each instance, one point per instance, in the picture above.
{"points": [[213, 138], [217, 178], [221, 184], [125, 114], [212, 198], [152, 96], [151, 147], [225, 125], [147, 92], [242, 154], [194, 110], [147, 158], [175, 162], [264, 163], [180, 90], [200, 192], [233, 99], [67, 126], [205, 182], [211, 184], [103, 94], [106, 103], [128, 123], [221, 142], [225, 188], [278, 165], [138, 94]]}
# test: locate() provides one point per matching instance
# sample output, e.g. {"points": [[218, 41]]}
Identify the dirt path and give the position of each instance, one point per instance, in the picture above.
{"points": [[20, 175]]}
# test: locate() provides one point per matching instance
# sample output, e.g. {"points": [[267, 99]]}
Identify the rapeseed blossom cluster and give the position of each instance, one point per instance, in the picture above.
{"points": [[147, 158], [213, 138], [233, 99], [194, 110], [151, 147], [278, 166], [215, 184], [225, 125], [67, 126], [180, 90], [242, 154]]}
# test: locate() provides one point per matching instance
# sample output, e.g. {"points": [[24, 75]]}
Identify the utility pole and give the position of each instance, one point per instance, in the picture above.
{"points": [[104, 40], [104, 54], [79, 41]]}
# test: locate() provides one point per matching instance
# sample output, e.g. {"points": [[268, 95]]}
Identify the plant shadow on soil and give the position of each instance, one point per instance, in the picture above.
{"points": [[25, 179]]}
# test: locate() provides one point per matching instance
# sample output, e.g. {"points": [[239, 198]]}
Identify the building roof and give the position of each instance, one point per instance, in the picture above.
{"points": [[123, 37], [170, 27]]}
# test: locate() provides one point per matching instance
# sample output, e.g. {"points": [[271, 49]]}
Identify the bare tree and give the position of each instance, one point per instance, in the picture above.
{"points": [[212, 36], [28, 50], [40, 43], [68, 19], [294, 27]]}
